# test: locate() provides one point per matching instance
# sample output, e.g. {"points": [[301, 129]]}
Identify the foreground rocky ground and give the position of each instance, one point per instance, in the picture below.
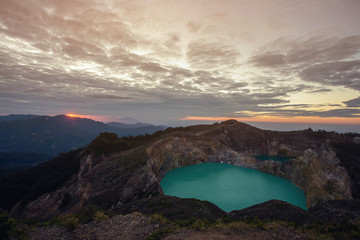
{"points": [[137, 226], [175, 218]]}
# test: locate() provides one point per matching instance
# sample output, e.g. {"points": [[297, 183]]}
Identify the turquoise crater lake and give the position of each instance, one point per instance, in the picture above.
{"points": [[230, 187]]}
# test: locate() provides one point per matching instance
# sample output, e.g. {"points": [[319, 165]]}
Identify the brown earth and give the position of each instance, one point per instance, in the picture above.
{"points": [[138, 227]]}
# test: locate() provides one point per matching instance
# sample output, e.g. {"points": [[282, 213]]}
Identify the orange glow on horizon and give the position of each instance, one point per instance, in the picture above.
{"points": [[99, 118], [74, 115], [274, 119]]}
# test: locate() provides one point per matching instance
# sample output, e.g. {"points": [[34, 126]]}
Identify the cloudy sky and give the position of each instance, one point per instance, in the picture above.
{"points": [[175, 62]]}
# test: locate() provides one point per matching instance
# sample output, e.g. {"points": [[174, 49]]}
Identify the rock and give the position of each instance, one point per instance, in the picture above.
{"points": [[275, 210], [101, 181], [129, 227], [337, 210], [174, 208], [349, 156], [315, 166]]}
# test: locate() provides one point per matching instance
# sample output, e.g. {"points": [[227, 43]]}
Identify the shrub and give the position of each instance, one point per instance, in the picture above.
{"points": [[200, 224], [237, 226], [257, 223], [6, 225], [100, 216], [70, 222], [158, 218], [108, 143], [9, 228], [89, 214], [162, 232]]}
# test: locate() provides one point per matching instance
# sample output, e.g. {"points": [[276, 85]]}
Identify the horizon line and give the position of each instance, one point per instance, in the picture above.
{"points": [[274, 119]]}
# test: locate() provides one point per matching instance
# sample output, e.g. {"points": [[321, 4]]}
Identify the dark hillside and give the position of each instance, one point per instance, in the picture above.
{"points": [[24, 159], [13, 117], [32, 183], [48, 135], [26, 139], [349, 156]]}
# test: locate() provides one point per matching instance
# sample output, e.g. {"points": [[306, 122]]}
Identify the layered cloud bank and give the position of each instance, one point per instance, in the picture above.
{"points": [[157, 60]]}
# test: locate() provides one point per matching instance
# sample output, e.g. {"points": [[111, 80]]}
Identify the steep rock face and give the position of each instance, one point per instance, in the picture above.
{"points": [[314, 165], [102, 181], [349, 156], [134, 173]]}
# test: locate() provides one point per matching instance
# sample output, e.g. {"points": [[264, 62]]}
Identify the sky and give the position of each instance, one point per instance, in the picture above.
{"points": [[183, 62]]}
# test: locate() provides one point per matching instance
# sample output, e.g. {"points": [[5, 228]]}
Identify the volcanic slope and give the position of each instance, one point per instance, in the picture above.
{"points": [[112, 171]]}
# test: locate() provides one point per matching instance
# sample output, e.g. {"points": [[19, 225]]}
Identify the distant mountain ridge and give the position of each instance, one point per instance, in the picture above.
{"points": [[51, 135], [122, 125], [13, 117]]}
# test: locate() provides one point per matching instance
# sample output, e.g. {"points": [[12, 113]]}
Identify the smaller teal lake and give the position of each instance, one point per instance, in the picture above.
{"points": [[274, 158], [230, 187]]}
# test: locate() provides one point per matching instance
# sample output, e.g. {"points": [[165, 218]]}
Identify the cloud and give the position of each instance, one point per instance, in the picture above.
{"points": [[193, 27], [108, 96], [203, 54], [137, 57], [152, 67], [341, 73], [305, 50], [268, 60], [298, 110], [344, 112], [313, 58], [353, 102], [320, 90]]}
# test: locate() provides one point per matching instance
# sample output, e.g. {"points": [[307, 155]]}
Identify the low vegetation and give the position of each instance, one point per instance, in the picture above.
{"points": [[72, 221], [109, 142], [318, 231], [9, 227], [160, 233]]}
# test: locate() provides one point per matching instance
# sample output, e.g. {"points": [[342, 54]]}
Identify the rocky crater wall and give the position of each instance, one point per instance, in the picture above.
{"points": [[314, 166], [112, 180]]}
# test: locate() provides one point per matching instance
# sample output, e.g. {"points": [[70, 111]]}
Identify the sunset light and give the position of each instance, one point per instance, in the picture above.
{"points": [[274, 119], [74, 115], [162, 61]]}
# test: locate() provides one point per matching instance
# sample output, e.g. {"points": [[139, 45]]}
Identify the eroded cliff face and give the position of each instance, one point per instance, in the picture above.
{"points": [[314, 166], [102, 181], [115, 179]]}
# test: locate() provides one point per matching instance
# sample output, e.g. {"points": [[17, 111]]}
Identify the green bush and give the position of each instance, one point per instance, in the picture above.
{"points": [[108, 143], [9, 228], [88, 214], [158, 218], [70, 222], [6, 225], [100, 216], [237, 226], [200, 224], [257, 223], [162, 232], [342, 230]]}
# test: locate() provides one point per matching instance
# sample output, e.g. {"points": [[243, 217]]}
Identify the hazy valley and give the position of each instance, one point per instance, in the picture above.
{"points": [[26, 140]]}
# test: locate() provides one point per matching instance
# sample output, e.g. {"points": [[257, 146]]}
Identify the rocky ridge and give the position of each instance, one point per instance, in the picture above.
{"points": [[314, 166], [111, 179]]}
